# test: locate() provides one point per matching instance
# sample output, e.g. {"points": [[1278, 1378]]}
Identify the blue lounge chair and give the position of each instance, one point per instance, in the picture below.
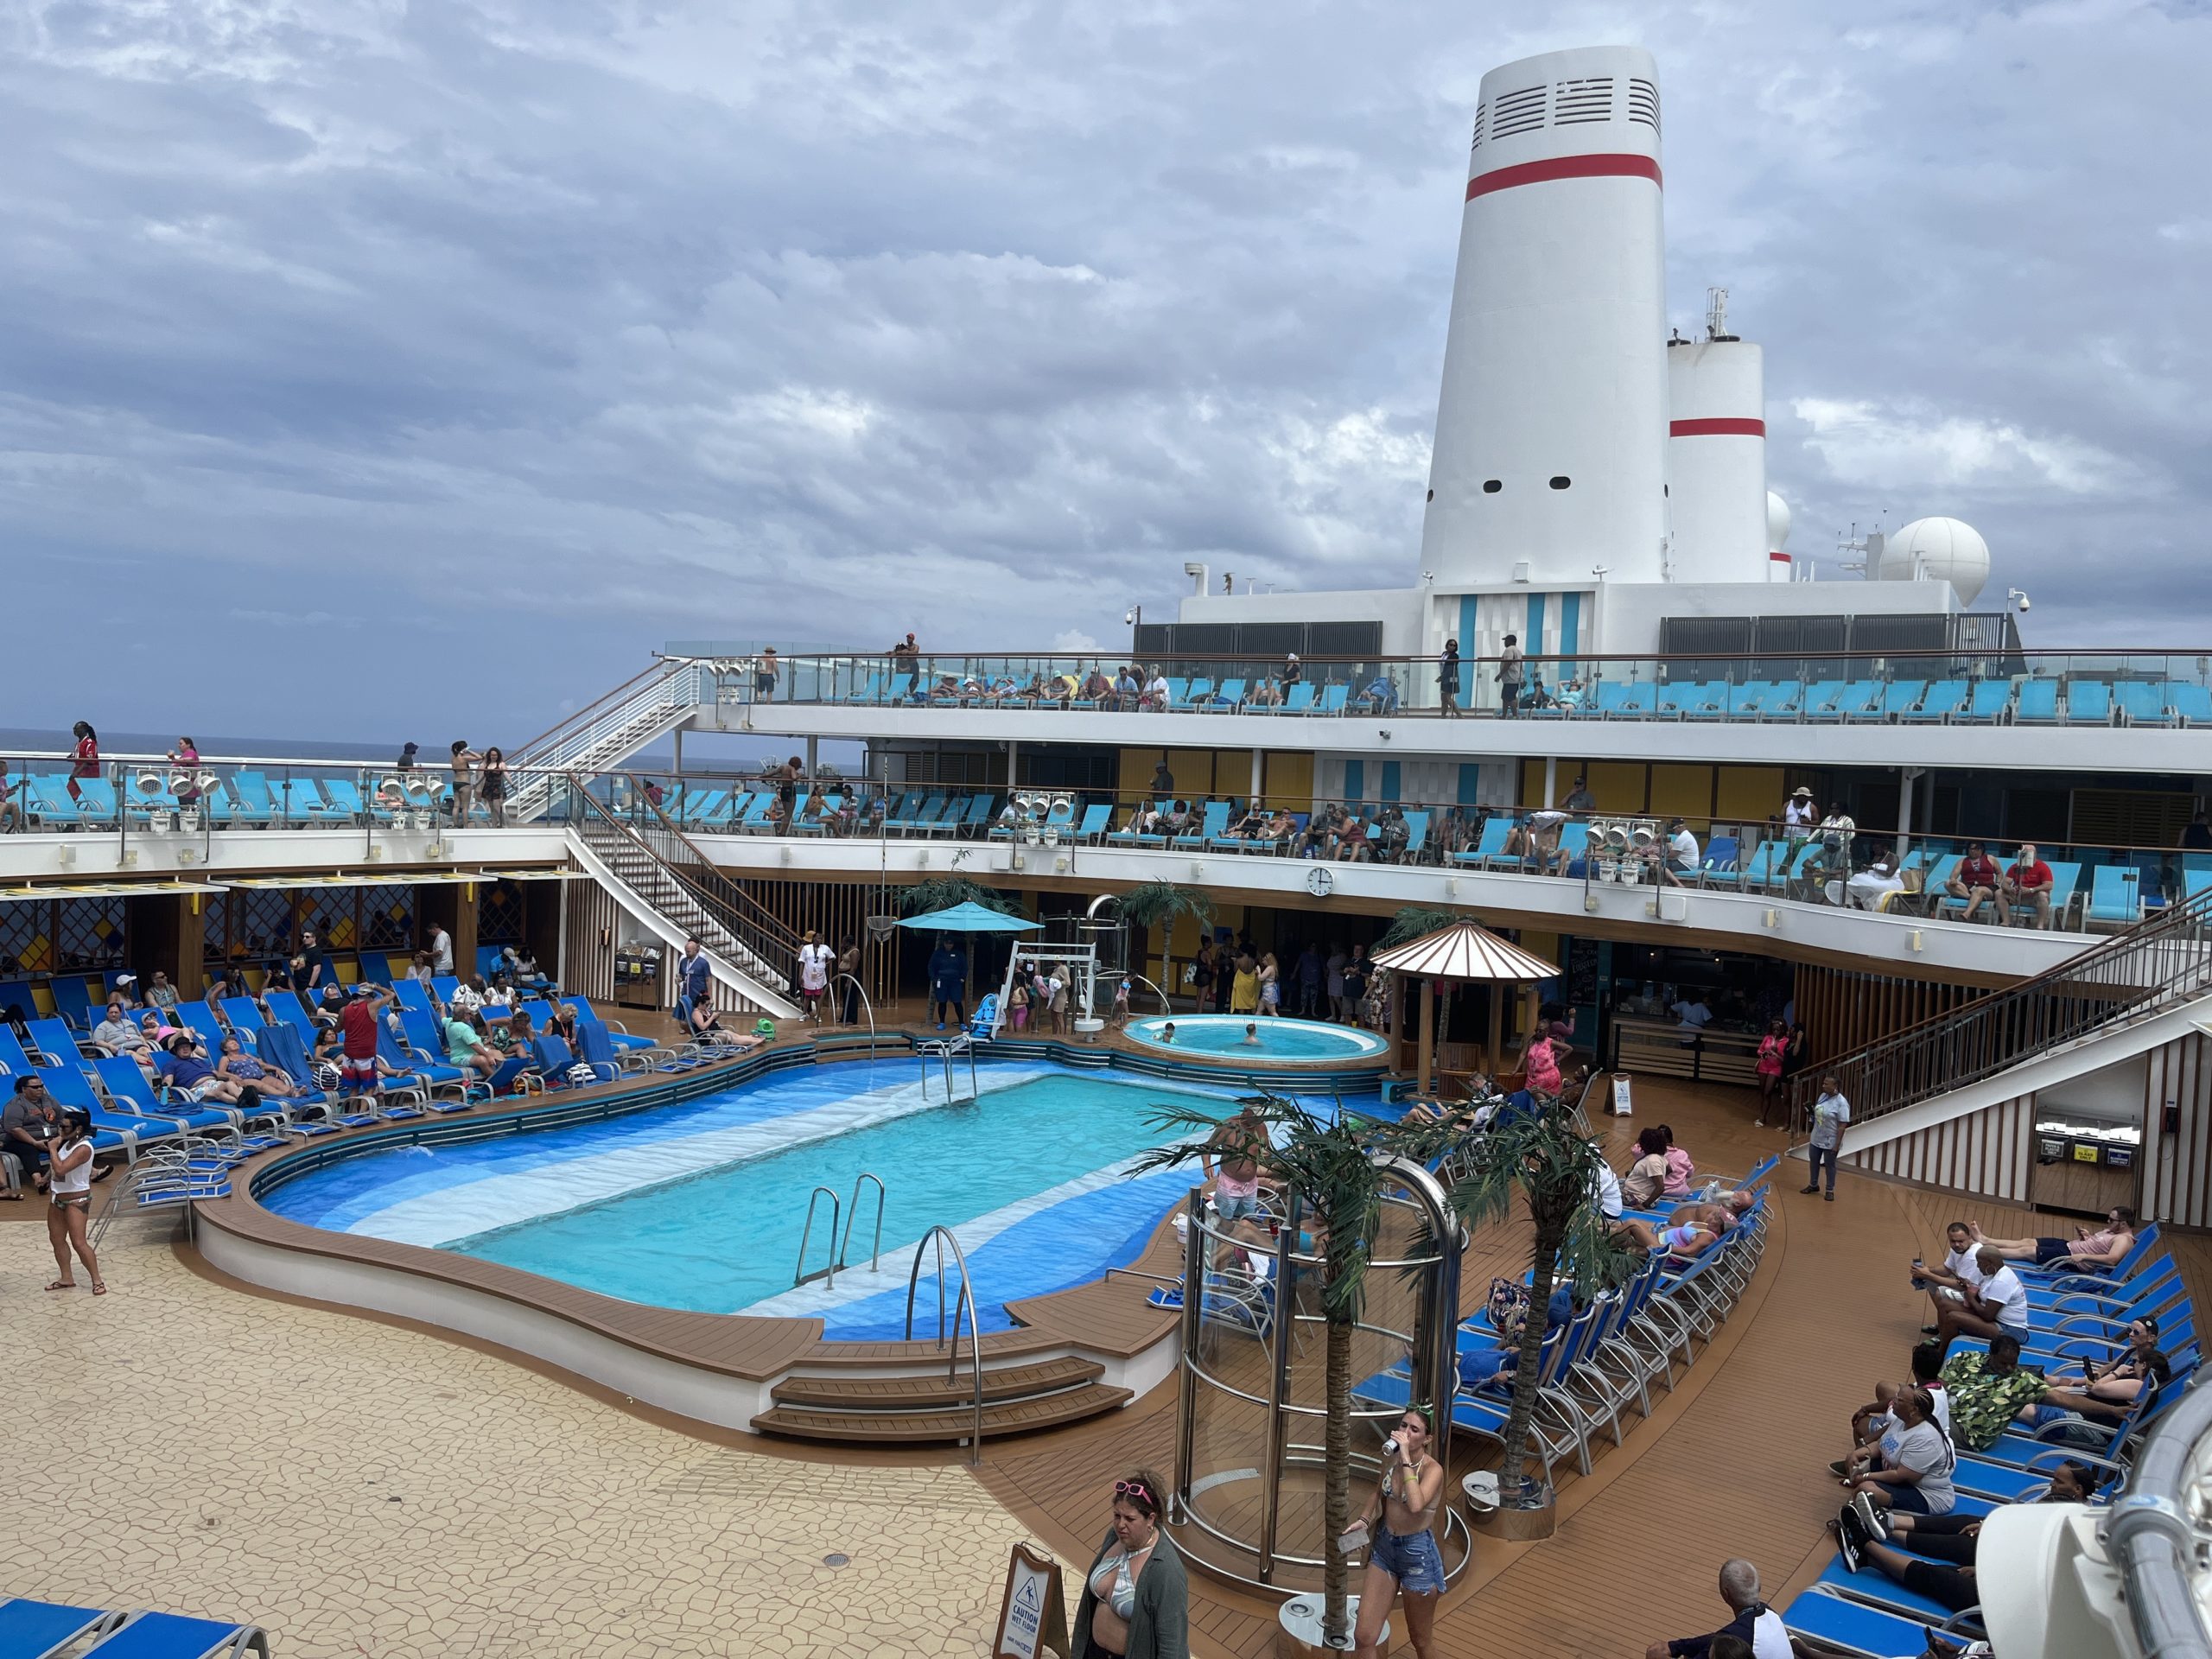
{"points": [[2192, 704], [1853, 1627], [171, 1635], [1211, 824], [44, 1630], [1226, 698], [2142, 704], [1944, 699], [1096, 817], [1820, 699], [73, 1001], [1718, 869], [2037, 703], [2089, 702], [1896, 697], [2115, 896], [1491, 846], [1194, 695], [1635, 701]]}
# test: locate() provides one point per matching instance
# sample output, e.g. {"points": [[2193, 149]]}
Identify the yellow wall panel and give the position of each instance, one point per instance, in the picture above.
{"points": [[1290, 781], [1193, 771], [1681, 790], [1749, 794], [1232, 773], [1617, 785]]}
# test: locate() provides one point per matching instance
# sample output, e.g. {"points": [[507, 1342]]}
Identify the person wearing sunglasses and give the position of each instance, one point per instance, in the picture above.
{"points": [[1136, 1598]]}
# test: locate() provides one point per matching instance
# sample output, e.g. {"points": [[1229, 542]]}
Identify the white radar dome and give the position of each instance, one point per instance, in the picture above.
{"points": [[1937, 550], [1777, 523]]}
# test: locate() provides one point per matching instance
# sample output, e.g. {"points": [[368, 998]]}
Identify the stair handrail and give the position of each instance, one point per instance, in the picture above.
{"points": [[663, 669], [799, 1274], [772, 944], [2162, 959], [941, 1236], [853, 1216], [709, 878]]}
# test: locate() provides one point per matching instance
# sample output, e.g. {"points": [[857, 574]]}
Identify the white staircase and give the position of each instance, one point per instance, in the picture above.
{"points": [[641, 711], [629, 870]]}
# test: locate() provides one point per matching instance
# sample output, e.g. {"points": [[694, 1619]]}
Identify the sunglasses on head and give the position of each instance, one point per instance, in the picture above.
{"points": [[1133, 1489]]}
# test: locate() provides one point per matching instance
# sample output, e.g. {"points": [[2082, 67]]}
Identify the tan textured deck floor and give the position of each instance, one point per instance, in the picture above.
{"points": [[210, 1451], [1732, 1463]]}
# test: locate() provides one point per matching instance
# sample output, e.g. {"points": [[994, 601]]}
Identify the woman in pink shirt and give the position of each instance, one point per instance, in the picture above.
{"points": [[1540, 1068], [1681, 1171], [1774, 1048]]}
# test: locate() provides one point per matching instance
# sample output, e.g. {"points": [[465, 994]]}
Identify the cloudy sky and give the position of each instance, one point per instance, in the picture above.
{"points": [[364, 362]]}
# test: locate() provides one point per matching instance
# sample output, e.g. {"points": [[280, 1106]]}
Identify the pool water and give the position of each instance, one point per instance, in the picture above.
{"points": [[1223, 1035], [701, 1206]]}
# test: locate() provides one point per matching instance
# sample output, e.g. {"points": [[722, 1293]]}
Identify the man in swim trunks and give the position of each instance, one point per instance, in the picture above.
{"points": [[1242, 1143], [356, 1025]]}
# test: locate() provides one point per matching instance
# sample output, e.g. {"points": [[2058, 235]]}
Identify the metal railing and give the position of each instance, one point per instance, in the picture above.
{"points": [[608, 732], [745, 917], [829, 1269], [753, 940], [941, 1236], [853, 1216], [2156, 965], [1990, 682]]}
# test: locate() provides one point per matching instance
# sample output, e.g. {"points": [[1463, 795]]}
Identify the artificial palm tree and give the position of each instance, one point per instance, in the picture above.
{"points": [[1335, 1170], [944, 892], [1160, 905], [1414, 922], [1555, 1167]]}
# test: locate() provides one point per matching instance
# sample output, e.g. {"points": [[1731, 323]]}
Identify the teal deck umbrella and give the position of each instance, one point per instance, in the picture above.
{"points": [[970, 918]]}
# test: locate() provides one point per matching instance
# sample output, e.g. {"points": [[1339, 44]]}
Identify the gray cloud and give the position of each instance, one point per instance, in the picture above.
{"points": [[504, 340]]}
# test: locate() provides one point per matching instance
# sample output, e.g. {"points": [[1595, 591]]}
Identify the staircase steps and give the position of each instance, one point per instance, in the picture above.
{"points": [[888, 1424], [936, 1391]]}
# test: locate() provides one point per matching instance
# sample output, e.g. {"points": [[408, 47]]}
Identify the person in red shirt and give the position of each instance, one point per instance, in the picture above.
{"points": [[87, 763], [2028, 882], [357, 1024], [1975, 880]]}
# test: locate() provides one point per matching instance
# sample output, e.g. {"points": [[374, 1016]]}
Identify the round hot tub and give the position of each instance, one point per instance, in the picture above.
{"points": [[1251, 1040]]}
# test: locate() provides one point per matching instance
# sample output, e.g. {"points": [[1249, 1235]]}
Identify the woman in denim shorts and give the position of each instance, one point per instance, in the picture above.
{"points": [[1405, 1557]]}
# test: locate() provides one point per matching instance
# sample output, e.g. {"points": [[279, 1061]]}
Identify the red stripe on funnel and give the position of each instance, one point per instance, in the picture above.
{"points": [[1565, 167], [1724, 428]]}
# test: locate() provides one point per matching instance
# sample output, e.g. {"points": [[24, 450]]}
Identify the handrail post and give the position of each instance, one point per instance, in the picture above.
{"points": [[829, 1273], [940, 1236], [844, 1250]]}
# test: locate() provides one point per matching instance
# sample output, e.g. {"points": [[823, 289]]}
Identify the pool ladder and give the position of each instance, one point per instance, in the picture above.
{"points": [[841, 1249]]}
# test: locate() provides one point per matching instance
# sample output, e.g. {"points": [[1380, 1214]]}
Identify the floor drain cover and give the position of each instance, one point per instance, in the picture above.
{"points": [[834, 1561]]}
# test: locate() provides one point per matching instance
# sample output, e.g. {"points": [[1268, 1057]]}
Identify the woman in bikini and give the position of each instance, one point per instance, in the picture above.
{"points": [[1685, 1239], [69, 1201], [1136, 1597], [1404, 1559]]}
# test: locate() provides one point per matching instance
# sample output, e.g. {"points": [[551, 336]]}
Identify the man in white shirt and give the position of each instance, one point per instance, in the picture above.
{"points": [[1958, 1274], [441, 950], [1680, 860], [1155, 692], [1997, 1307], [1691, 1013], [1754, 1622], [814, 961]]}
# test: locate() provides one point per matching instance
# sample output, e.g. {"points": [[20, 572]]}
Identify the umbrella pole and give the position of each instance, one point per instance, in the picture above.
{"points": [[1427, 1031], [1498, 995]]}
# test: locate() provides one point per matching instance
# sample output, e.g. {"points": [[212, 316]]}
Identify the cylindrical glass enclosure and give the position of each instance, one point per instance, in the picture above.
{"points": [[1253, 1414]]}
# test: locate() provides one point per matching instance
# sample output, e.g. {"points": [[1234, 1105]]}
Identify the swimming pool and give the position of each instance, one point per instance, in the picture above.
{"points": [[700, 1206], [1221, 1036]]}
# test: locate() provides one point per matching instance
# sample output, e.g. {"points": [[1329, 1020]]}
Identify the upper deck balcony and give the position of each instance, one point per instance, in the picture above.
{"points": [[2090, 711]]}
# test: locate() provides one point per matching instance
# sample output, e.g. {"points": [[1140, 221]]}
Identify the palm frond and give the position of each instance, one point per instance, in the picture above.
{"points": [[1414, 922], [944, 892]]}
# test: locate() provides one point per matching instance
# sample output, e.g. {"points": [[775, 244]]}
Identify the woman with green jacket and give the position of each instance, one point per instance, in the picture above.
{"points": [[1136, 1598]]}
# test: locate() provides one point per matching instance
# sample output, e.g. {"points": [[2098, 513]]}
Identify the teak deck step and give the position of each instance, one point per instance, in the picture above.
{"points": [[922, 1427], [936, 1391]]}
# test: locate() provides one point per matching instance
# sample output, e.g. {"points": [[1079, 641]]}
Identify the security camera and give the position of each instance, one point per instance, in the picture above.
{"points": [[2017, 597], [1129, 619]]}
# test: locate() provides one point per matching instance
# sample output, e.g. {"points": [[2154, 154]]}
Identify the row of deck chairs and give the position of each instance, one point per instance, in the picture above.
{"points": [[2073, 1314], [1616, 1345], [1186, 695], [227, 798], [48, 1630], [179, 1149], [1999, 700], [79, 1000]]}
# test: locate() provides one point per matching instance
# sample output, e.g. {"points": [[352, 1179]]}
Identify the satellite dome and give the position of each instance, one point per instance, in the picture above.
{"points": [[1937, 550], [1777, 523]]}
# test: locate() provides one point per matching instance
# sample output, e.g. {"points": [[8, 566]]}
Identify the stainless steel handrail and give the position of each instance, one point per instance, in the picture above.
{"points": [[799, 1274], [868, 1007], [2154, 1540], [941, 1236], [844, 1250]]}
